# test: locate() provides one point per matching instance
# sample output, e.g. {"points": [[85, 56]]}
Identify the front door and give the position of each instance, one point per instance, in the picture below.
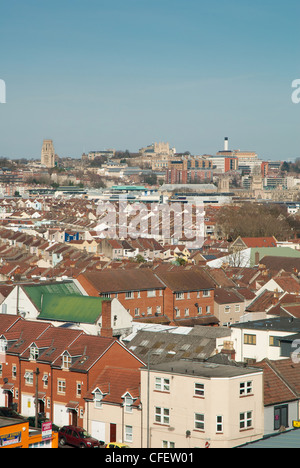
{"points": [[113, 432], [74, 418]]}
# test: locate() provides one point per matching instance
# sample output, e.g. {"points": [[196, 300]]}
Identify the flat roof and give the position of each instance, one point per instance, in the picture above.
{"points": [[279, 324], [204, 369], [6, 422]]}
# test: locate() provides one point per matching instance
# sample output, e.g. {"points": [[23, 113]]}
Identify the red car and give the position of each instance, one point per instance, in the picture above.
{"points": [[78, 437]]}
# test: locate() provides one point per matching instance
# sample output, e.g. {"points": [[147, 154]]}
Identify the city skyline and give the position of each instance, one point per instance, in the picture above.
{"points": [[96, 76]]}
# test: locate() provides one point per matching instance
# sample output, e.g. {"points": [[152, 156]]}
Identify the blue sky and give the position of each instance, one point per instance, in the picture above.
{"points": [[98, 74]]}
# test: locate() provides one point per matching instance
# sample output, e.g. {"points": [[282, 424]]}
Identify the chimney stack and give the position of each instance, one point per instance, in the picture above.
{"points": [[106, 328], [226, 144]]}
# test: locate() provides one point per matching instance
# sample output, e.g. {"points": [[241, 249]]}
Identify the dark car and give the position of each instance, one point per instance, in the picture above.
{"points": [[78, 437]]}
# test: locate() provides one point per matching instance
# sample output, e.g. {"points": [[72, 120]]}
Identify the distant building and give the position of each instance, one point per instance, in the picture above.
{"points": [[92, 155], [48, 154]]}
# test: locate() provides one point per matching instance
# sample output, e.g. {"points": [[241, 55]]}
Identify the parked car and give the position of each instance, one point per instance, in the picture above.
{"points": [[78, 437], [116, 445]]}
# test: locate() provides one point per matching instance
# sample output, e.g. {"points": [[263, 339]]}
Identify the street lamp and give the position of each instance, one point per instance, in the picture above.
{"points": [[37, 372]]}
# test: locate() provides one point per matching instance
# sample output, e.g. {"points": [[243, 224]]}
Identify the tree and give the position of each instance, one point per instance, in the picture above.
{"points": [[254, 220], [140, 259]]}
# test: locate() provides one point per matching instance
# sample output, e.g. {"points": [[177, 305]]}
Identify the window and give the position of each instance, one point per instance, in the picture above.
{"points": [[179, 296], [177, 311], [199, 389], [28, 378], [246, 420], [208, 309], [237, 308], [250, 339], [128, 402], [245, 388], [149, 310], [186, 312], [219, 424], [3, 345], [199, 421], [199, 310], [227, 309], [66, 361], [274, 341], [151, 293], [61, 386], [98, 396], [158, 310], [206, 293], [280, 417], [162, 415], [162, 385], [167, 444], [1, 370], [78, 388], [106, 295], [128, 434], [34, 353], [45, 380], [129, 295], [136, 311], [14, 372]]}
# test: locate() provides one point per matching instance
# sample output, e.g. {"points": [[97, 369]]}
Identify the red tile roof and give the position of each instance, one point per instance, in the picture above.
{"points": [[259, 241], [115, 382], [279, 380]]}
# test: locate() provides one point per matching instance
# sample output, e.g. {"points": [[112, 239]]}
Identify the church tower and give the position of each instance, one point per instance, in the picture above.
{"points": [[48, 154]]}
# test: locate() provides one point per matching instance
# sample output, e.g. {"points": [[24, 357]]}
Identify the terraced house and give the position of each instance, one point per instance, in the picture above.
{"points": [[64, 364], [160, 295]]}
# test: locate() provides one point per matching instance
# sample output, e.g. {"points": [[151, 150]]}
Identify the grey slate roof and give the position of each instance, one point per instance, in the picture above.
{"points": [[199, 344]]}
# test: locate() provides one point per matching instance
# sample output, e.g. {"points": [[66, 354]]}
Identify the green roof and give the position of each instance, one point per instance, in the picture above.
{"points": [[72, 308], [36, 292], [272, 252], [128, 187]]}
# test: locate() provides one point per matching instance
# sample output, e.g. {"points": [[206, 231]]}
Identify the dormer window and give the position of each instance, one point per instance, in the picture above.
{"points": [[98, 397], [3, 345], [34, 353], [66, 361], [128, 402]]}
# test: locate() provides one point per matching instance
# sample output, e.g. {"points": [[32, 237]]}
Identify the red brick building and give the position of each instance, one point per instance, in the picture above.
{"points": [[139, 291], [166, 295], [189, 297], [68, 362]]}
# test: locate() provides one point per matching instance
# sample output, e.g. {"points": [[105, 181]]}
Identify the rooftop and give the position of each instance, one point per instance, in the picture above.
{"points": [[289, 324], [204, 369]]}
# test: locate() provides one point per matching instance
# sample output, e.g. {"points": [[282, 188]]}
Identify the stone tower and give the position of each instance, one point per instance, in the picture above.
{"points": [[48, 154]]}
